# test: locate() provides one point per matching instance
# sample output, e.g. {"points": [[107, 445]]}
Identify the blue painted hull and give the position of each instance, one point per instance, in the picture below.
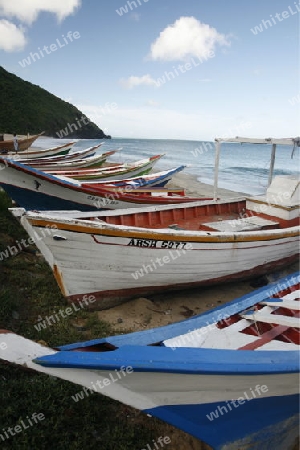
{"points": [[34, 200], [231, 399], [259, 424]]}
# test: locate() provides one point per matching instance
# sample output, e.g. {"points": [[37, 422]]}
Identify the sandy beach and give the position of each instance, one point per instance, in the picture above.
{"points": [[195, 188]]}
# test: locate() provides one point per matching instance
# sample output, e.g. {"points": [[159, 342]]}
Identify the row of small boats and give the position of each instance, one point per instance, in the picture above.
{"points": [[79, 181], [228, 377]]}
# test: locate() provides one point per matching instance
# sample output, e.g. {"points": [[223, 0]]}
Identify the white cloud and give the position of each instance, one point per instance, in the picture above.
{"points": [[152, 103], [160, 123], [28, 10], [185, 38], [155, 122], [12, 38], [145, 80]]}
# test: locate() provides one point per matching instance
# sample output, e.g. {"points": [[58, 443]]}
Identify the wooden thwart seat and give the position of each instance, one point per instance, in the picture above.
{"points": [[252, 223], [261, 316], [289, 304]]}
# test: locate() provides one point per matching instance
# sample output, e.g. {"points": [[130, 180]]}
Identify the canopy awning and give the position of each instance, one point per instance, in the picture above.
{"points": [[294, 142], [278, 141]]}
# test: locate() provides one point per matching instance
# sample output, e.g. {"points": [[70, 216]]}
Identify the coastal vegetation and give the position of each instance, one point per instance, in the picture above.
{"points": [[27, 108]]}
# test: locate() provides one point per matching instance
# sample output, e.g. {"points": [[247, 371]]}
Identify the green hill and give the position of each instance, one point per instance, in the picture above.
{"points": [[27, 108]]}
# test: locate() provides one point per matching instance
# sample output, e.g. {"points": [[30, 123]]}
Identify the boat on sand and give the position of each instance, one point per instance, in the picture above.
{"points": [[37, 190], [7, 145], [229, 377], [117, 255], [33, 153]]}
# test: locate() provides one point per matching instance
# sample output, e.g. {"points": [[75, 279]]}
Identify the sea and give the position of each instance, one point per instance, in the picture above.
{"points": [[243, 167]]}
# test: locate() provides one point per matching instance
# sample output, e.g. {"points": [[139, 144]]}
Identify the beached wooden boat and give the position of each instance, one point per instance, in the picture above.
{"points": [[116, 255], [82, 157], [230, 376], [92, 160], [201, 243], [113, 171], [32, 153], [157, 179], [34, 189], [23, 143], [79, 154]]}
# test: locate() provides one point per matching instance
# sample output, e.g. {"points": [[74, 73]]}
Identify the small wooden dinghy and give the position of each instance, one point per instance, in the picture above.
{"points": [[230, 376], [53, 159], [86, 158], [23, 143], [36, 153]]}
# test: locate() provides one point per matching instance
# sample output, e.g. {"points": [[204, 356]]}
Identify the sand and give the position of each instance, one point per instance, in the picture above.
{"points": [[195, 188]]}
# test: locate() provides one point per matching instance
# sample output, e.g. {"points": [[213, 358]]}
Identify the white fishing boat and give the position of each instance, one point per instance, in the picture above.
{"points": [[157, 179], [37, 190], [230, 376], [36, 153], [113, 171], [81, 161], [74, 155], [116, 255]]}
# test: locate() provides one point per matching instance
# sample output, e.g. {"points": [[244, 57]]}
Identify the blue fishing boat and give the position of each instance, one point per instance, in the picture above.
{"points": [[229, 377]]}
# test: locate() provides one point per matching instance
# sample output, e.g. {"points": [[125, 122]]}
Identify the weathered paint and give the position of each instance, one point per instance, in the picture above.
{"points": [[183, 386], [103, 264]]}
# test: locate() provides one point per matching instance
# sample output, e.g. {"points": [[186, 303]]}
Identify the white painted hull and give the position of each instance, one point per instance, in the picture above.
{"points": [[175, 397], [32, 184], [36, 162], [109, 266], [119, 172], [35, 154], [78, 162], [145, 390], [211, 386]]}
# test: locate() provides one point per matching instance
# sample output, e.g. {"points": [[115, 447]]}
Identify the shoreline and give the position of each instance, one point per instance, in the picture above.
{"points": [[194, 187]]}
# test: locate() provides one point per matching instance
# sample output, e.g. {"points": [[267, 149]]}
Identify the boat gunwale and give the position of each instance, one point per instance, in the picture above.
{"points": [[219, 361], [106, 229], [195, 322], [180, 361]]}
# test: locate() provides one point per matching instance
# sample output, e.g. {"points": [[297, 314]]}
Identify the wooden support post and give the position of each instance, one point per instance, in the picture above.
{"points": [[272, 164], [217, 160]]}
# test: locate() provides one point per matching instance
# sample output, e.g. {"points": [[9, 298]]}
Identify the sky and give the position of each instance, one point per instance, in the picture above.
{"points": [[163, 69]]}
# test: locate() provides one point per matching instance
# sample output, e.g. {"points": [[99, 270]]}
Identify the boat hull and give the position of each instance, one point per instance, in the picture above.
{"points": [[225, 411], [278, 417], [229, 397], [57, 158], [35, 190], [35, 154], [91, 160], [154, 180], [110, 264], [23, 143]]}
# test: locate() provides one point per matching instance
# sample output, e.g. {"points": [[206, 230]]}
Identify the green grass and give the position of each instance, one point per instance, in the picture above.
{"points": [[28, 291]]}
